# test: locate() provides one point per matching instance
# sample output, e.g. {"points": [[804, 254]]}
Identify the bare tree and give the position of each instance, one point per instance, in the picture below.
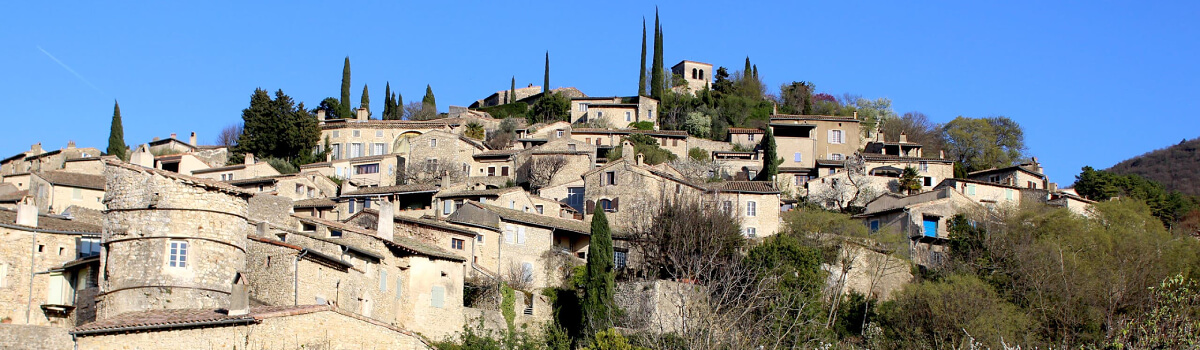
{"points": [[428, 173], [417, 111], [229, 135], [847, 190], [698, 171], [539, 171]]}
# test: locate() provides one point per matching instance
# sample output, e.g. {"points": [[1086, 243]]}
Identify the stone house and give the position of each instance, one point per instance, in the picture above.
{"points": [[803, 139], [53, 191], [324, 208], [407, 200], [35, 289], [439, 153], [454, 239], [696, 75], [360, 137], [525, 248], [19, 180], [89, 165], [922, 217], [747, 137], [629, 190], [250, 168], [448, 201], [930, 171], [502, 97], [381, 170], [754, 203], [37, 159], [616, 111], [570, 194], [1026, 175], [576, 157], [298, 186], [993, 195], [183, 163], [672, 140], [496, 164]]}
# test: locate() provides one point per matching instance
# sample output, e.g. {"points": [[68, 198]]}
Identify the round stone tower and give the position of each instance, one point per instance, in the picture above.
{"points": [[170, 241]]}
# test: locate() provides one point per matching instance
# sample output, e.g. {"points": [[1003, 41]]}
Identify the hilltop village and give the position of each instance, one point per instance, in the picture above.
{"points": [[387, 242]]}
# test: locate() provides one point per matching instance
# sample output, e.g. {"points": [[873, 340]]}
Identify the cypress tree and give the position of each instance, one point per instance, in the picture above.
{"points": [[755, 70], [748, 70], [387, 101], [642, 74], [398, 103], [599, 280], [656, 73], [512, 90], [116, 135], [771, 159], [365, 100], [346, 86], [428, 101], [546, 83]]}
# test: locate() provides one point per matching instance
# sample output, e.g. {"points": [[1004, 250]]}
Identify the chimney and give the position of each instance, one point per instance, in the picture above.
{"points": [[445, 182], [329, 156], [192, 139], [386, 225], [855, 114], [774, 108], [71, 144], [27, 214], [903, 138], [941, 154], [321, 115], [1053, 187], [36, 148], [239, 298], [627, 149], [361, 114], [639, 158], [249, 158], [173, 135]]}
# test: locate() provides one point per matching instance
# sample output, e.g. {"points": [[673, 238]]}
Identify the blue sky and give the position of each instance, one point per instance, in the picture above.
{"points": [[1092, 83]]}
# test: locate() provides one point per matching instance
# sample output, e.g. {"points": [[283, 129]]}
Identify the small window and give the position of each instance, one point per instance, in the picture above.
{"points": [[299, 189], [628, 116], [874, 226], [432, 143], [606, 205], [503, 171], [610, 178], [76, 194], [382, 280], [797, 157], [527, 272], [351, 205], [751, 208], [587, 140], [559, 133], [751, 232], [366, 203], [447, 207], [335, 233], [177, 256], [621, 259], [337, 134], [727, 207], [571, 147], [752, 174], [491, 171], [456, 244], [539, 208], [479, 239], [678, 188], [399, 286], [512, 204], [927, 181], [924, 166], [521, 235], [1008, 194], [356, 133], [750, 137], [437, 296], [378, 133]]}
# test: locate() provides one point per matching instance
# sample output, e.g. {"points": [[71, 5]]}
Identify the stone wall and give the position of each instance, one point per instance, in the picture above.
{"points": [[274, 209], [319, 330], [658, 306], [147, 212], [28, 337], [50, 251], [708, 145], [871, 272]]}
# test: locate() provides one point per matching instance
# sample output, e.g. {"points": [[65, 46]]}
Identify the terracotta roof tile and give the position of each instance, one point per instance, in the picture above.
{"points": [[160, 319], [13, 197], [765, 187], [314, 203], [51, 222], [537, 219], [745, 131], [400, 189], [674, 133], [69, 179], [192, 180]]}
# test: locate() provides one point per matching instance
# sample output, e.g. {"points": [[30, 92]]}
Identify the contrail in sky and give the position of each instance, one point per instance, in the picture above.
{"points": [[64, 65]]}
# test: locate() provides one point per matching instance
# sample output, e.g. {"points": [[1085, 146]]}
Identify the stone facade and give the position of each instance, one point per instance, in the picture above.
{"points": [[53, 195], [640, 108], [832, 138], [248, 170], [630, 190], [698, 75], [14, 336], [671, 140], [48, 244]]}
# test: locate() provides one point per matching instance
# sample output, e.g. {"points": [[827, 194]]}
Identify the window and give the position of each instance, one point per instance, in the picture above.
{"points": [[351, 204], [540, 209], [752, 174], [356, 150], [835, 136], [527, 272], [751, 208], [503, 171], [678, 188], [994, 179], [76, 194], [336, 150], [797, 157], [510, 233], [491, 171], [597, 141], [694, 75], [399, 286], [837, 156], [437, 296], [335, 233], [751, 232], [366, 169], [87, 247], [628, 116], [299, 189], [337, 134], [1008, 194], [479, 239], [609, 179], [378, 133], [750, 136], [177, 257], [970, 189], [575, 198], [874, 226], [606, 204], [927, 181], [599, 114], [587, 140], [727, 207], [571, 147], [456, 244], [377, 149], [312, 192], [702, 76], [583, 107], [559, 133], [801, 179], [383, 280], [431, 164], [621, 258], [447, 207], [512, 204], [357, 133], [923, 166], [521, 235], [366, 203]]}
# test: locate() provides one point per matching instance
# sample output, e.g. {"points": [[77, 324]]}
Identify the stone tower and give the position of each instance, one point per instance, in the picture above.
{"points": [[170, 241]]}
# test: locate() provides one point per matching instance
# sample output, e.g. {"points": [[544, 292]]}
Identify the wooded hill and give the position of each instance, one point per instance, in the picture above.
{"points": [[1176, 167]]}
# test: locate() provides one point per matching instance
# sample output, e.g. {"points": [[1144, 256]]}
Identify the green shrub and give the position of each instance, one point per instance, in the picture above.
{"points": [[282, 166], [642, 125], [698, 154]]}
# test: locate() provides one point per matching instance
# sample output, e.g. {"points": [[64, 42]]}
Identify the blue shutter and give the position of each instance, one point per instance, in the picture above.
{"points": [[931, 226]]}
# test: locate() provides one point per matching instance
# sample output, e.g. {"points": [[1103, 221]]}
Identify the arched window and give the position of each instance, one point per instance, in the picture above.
{"points": [[694, 75], [606, 205], [702, 76]]}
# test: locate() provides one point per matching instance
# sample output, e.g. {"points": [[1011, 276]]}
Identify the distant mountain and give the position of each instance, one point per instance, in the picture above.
{"points": [[1176, 167]]}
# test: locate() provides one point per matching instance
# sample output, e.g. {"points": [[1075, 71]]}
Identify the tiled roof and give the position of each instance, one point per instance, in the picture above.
{"points": [[794, 169], [69, 179], [390, 124], [473, 193], [191, 180], [497, 153], [50, 223], [887, 157], [1006, 169], [399, 189], [765, 187], [417, 247], [13, 197], [314, 203], [537, 219], [831, 163], [308, 252], [672, 133], [224, 168], [177, 318], [813, 117], [745, 131], [416, 221], [47, 154]]}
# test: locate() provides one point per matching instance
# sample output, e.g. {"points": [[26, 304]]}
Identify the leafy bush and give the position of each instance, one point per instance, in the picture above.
{"points": [[508, 110], [282, 166], [698, 154], [642, 125], [961, 309]]}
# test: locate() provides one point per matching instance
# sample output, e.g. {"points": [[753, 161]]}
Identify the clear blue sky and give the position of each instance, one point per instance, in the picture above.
{"points": [[1092, 83]]}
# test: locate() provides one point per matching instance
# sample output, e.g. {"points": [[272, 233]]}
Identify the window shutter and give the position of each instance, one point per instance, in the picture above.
{"points": [[590, 206], [437, 296], [521, 235], [616, 204]]}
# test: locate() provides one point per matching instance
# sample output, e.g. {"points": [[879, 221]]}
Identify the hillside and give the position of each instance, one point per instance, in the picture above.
{"points": [[1176, 167]]}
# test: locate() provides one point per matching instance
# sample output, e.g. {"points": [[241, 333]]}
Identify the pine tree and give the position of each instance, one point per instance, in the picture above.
{"points": [[546, 83], [642, 74], [599, 280], [345, 101], [365, 100], [771, 158], [428, 101], [512, 90], [387, 101], [116, 135], [656, 68]]}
